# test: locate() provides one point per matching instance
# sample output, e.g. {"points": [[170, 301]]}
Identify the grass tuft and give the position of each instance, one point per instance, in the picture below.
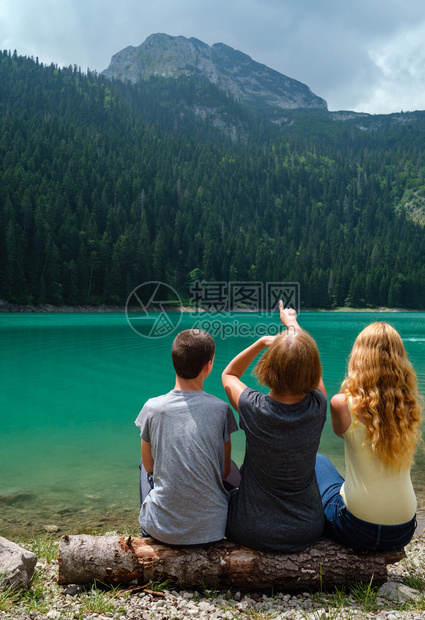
{"points": [[45, 548], [415, 582], [160, 585], [97, 600], [8, 596], [365, 595]]}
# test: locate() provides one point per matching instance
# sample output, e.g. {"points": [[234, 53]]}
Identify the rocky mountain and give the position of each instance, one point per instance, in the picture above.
{"points": [[248, 82]]}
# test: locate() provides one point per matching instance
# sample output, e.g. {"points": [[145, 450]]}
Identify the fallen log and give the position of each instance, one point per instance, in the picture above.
{"points": [[121, 560]]}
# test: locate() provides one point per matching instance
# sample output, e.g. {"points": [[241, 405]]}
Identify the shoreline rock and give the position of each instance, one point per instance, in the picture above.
{"points": [[16, 565]]}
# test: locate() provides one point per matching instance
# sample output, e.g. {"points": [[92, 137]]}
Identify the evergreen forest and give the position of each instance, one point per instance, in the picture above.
{"points": [[106, 185]]}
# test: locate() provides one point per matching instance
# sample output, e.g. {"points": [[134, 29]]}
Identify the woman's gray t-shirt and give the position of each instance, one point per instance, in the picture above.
{"points": [[278, 505]]}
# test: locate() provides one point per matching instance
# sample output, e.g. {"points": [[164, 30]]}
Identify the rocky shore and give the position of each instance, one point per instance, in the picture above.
{"points": [[6, 306], [403, 596], [31, 514], [43, 308]]}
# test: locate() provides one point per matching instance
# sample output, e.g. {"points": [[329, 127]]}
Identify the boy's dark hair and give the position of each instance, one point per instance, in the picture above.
{"points": [[191, 350]]}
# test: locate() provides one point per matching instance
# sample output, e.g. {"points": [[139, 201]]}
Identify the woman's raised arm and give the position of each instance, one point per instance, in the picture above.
{"points": [[233, 372]]}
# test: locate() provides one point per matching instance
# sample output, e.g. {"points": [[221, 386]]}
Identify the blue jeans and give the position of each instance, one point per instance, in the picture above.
{"points": [[344, 527]]}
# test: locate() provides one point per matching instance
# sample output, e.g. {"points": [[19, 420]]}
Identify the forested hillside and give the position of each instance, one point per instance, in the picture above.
{"points": [[104, 186]]}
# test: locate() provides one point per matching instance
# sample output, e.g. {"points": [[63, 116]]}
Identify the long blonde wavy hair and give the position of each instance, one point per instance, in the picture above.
{"points": [[382, 383]]}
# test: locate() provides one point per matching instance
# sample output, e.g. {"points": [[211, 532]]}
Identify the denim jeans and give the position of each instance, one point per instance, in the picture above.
{"points": [[344, 527]]}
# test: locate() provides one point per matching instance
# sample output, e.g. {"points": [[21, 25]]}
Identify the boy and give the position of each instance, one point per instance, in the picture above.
{"points": [[186, 450]]}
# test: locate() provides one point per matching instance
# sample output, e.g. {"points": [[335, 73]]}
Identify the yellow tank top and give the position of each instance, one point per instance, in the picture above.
{"points": [[371, 491]]}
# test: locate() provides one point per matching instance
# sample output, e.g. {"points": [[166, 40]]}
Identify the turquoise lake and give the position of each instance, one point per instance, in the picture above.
{"points": [[73, 384]]}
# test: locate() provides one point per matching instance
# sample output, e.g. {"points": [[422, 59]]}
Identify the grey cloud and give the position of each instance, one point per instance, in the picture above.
{"points": [[350, 53]]}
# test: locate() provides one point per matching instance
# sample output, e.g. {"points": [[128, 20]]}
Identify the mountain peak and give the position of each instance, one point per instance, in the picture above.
{"points": [[249, 82]]}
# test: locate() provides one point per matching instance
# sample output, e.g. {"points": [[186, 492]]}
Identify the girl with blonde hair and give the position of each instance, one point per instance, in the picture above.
{"points": [[277, 506], [378, 415]]}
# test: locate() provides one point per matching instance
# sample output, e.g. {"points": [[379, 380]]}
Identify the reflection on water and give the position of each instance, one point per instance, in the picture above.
{"points": [[73, 384]]}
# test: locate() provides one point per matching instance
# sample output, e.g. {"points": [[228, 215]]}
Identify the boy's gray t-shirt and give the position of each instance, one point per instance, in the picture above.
{"points": [[187, 432]]}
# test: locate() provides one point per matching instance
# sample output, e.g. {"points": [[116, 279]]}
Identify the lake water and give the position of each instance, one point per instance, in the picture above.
{"points": [[73, 384]]}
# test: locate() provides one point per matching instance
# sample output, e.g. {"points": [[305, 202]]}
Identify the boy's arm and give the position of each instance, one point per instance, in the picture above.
{"points": [[227, 458], [147, 458]]}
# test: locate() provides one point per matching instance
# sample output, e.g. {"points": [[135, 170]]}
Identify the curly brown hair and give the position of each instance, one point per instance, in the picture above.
{"points": [[291, 365], [382, 383]]}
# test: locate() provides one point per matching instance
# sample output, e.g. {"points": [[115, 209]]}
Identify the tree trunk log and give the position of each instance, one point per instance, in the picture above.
{"points": [[121, 560]]}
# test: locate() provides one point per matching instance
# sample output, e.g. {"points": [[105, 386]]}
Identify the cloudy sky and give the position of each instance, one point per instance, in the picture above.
{"points": [[362, 55]]}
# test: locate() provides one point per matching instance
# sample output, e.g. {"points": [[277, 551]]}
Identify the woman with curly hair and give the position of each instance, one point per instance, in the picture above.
{"points": [[378, 415]]}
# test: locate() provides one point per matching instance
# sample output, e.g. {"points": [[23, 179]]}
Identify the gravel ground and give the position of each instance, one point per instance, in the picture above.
{"points": [[403, 596]]}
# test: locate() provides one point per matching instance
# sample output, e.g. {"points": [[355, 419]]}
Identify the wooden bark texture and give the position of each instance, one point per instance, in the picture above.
{"points": [[121, 560]]}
